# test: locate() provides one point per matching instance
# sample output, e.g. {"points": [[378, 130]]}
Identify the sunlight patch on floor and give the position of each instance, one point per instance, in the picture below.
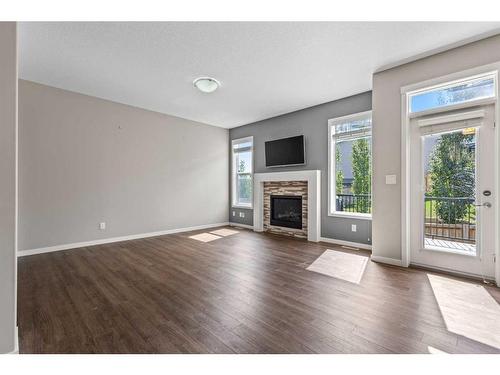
{"points": [[433, 350], [468, 309], [205, 237], [340, 265], [224, 232]]}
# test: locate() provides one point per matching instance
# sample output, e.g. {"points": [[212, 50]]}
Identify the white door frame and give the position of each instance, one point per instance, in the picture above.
{"points": [[405, 151]]}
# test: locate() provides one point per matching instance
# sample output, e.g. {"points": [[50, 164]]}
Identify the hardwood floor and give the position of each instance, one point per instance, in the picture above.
{"points": [[243, 293]]}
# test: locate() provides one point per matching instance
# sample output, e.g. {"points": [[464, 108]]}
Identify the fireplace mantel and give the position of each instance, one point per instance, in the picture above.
{"points": [[313, 178]]}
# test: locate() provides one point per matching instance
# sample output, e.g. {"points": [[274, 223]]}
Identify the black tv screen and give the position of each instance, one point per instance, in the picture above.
{"points": [[286, 151]]}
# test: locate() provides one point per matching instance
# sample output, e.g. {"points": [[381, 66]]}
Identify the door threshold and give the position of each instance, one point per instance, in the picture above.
{"points": [[446, 271]]}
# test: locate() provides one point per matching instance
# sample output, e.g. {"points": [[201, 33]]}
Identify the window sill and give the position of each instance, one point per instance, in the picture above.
{"points": [[351, 216]]}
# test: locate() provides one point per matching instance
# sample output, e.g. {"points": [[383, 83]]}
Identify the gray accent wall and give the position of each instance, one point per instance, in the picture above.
{"points": [[84, 160], [313, 124], [8, 124], [387, 229]]}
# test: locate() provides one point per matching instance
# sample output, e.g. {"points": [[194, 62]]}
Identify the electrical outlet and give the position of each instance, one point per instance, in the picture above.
{"points": [[354, 227], [242, 214], [234, 213], [102, 226]]}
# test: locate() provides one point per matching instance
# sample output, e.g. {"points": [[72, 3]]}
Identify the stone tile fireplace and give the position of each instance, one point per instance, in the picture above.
{"points": [[285, 208], [288, 203]]}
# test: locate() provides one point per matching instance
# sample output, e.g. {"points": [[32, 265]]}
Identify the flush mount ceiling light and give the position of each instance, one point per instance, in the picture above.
{"points": [[206, 84]]}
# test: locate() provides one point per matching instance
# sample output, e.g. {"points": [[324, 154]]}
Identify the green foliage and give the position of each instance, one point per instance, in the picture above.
{"points": [[241, 167], [245, 188], [362, 172], [339, 178], [452, 170], [244, 183]]}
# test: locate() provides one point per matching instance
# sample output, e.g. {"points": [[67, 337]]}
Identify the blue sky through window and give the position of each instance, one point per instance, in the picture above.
{"points": [[460, 93]]}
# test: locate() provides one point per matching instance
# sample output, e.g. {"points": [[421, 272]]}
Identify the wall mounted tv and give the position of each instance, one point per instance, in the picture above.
{"points": [[285, 152]]}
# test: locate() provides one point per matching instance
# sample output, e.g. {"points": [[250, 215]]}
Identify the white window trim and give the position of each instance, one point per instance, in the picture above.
{"points": [[235, 204], [484, 70], [449, 80], [449, 84], [332, 172]]}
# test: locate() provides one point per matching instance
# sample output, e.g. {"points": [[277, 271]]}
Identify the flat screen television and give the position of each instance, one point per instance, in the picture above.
{"points": [[285, 152]]}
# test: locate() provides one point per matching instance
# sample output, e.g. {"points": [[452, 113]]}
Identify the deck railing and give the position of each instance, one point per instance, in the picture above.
{"points": [[360, 203], [452, 219]]}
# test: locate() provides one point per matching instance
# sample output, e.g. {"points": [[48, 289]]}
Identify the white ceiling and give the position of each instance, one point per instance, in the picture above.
{"points": [[266, 69]]}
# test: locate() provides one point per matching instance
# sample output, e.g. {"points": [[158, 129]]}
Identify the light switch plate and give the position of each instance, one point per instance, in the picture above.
{"points": [[354, 227], [390, 179]]}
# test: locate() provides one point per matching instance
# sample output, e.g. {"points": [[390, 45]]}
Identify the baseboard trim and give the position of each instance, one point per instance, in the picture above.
{"points": [[346, 243], [391, 261], [16, 342], [241, 225], [41, 250]]}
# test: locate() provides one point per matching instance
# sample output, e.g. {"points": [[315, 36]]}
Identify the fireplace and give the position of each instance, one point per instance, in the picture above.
{"points": [[302, 183], [286, 211]]}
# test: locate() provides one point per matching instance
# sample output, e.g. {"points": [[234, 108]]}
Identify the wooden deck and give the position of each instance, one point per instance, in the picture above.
{"points": [[451, 245]]}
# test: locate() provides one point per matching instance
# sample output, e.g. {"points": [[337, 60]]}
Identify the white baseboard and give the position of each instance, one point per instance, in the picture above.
{"points": [[75, 245], [346, 243], [241, 225], [391, 261], [16, 342]]}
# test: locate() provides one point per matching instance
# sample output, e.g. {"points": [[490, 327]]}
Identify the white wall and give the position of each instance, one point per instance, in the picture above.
{"points": [[84, 160], [8, 110], [386, 226]]}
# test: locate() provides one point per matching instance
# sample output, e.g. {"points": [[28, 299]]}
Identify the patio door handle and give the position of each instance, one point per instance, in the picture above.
{"points": [[485, 204]]}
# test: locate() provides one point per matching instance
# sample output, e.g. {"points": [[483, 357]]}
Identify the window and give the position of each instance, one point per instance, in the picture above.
{"points": [[350, 165], [242, 172], [452, 94], [449, 181]]}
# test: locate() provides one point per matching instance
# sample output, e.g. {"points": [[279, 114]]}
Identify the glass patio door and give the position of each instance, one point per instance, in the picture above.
{"points": [[452, 196]]}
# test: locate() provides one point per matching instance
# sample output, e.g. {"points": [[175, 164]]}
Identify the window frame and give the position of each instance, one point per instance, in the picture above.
{"points": [[406, 117], [448, 84], [332, 173], [234, 173]]}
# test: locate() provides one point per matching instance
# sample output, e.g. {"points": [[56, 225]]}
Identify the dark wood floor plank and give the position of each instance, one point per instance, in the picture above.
{"points": [[244, 293]]}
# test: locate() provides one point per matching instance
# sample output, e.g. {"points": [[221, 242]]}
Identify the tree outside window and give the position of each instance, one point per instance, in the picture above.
{"points": [[452, 175]]}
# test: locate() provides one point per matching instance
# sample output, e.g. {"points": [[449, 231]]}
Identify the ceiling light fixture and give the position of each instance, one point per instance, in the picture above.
{"points": [[206, 84]]}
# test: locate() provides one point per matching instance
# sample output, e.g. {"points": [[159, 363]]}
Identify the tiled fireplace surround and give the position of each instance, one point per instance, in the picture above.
{"points": [[296, 188], [305, 183]]}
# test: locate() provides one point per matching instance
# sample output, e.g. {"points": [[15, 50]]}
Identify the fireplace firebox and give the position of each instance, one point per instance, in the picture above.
{"points": [[286, 211]]}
